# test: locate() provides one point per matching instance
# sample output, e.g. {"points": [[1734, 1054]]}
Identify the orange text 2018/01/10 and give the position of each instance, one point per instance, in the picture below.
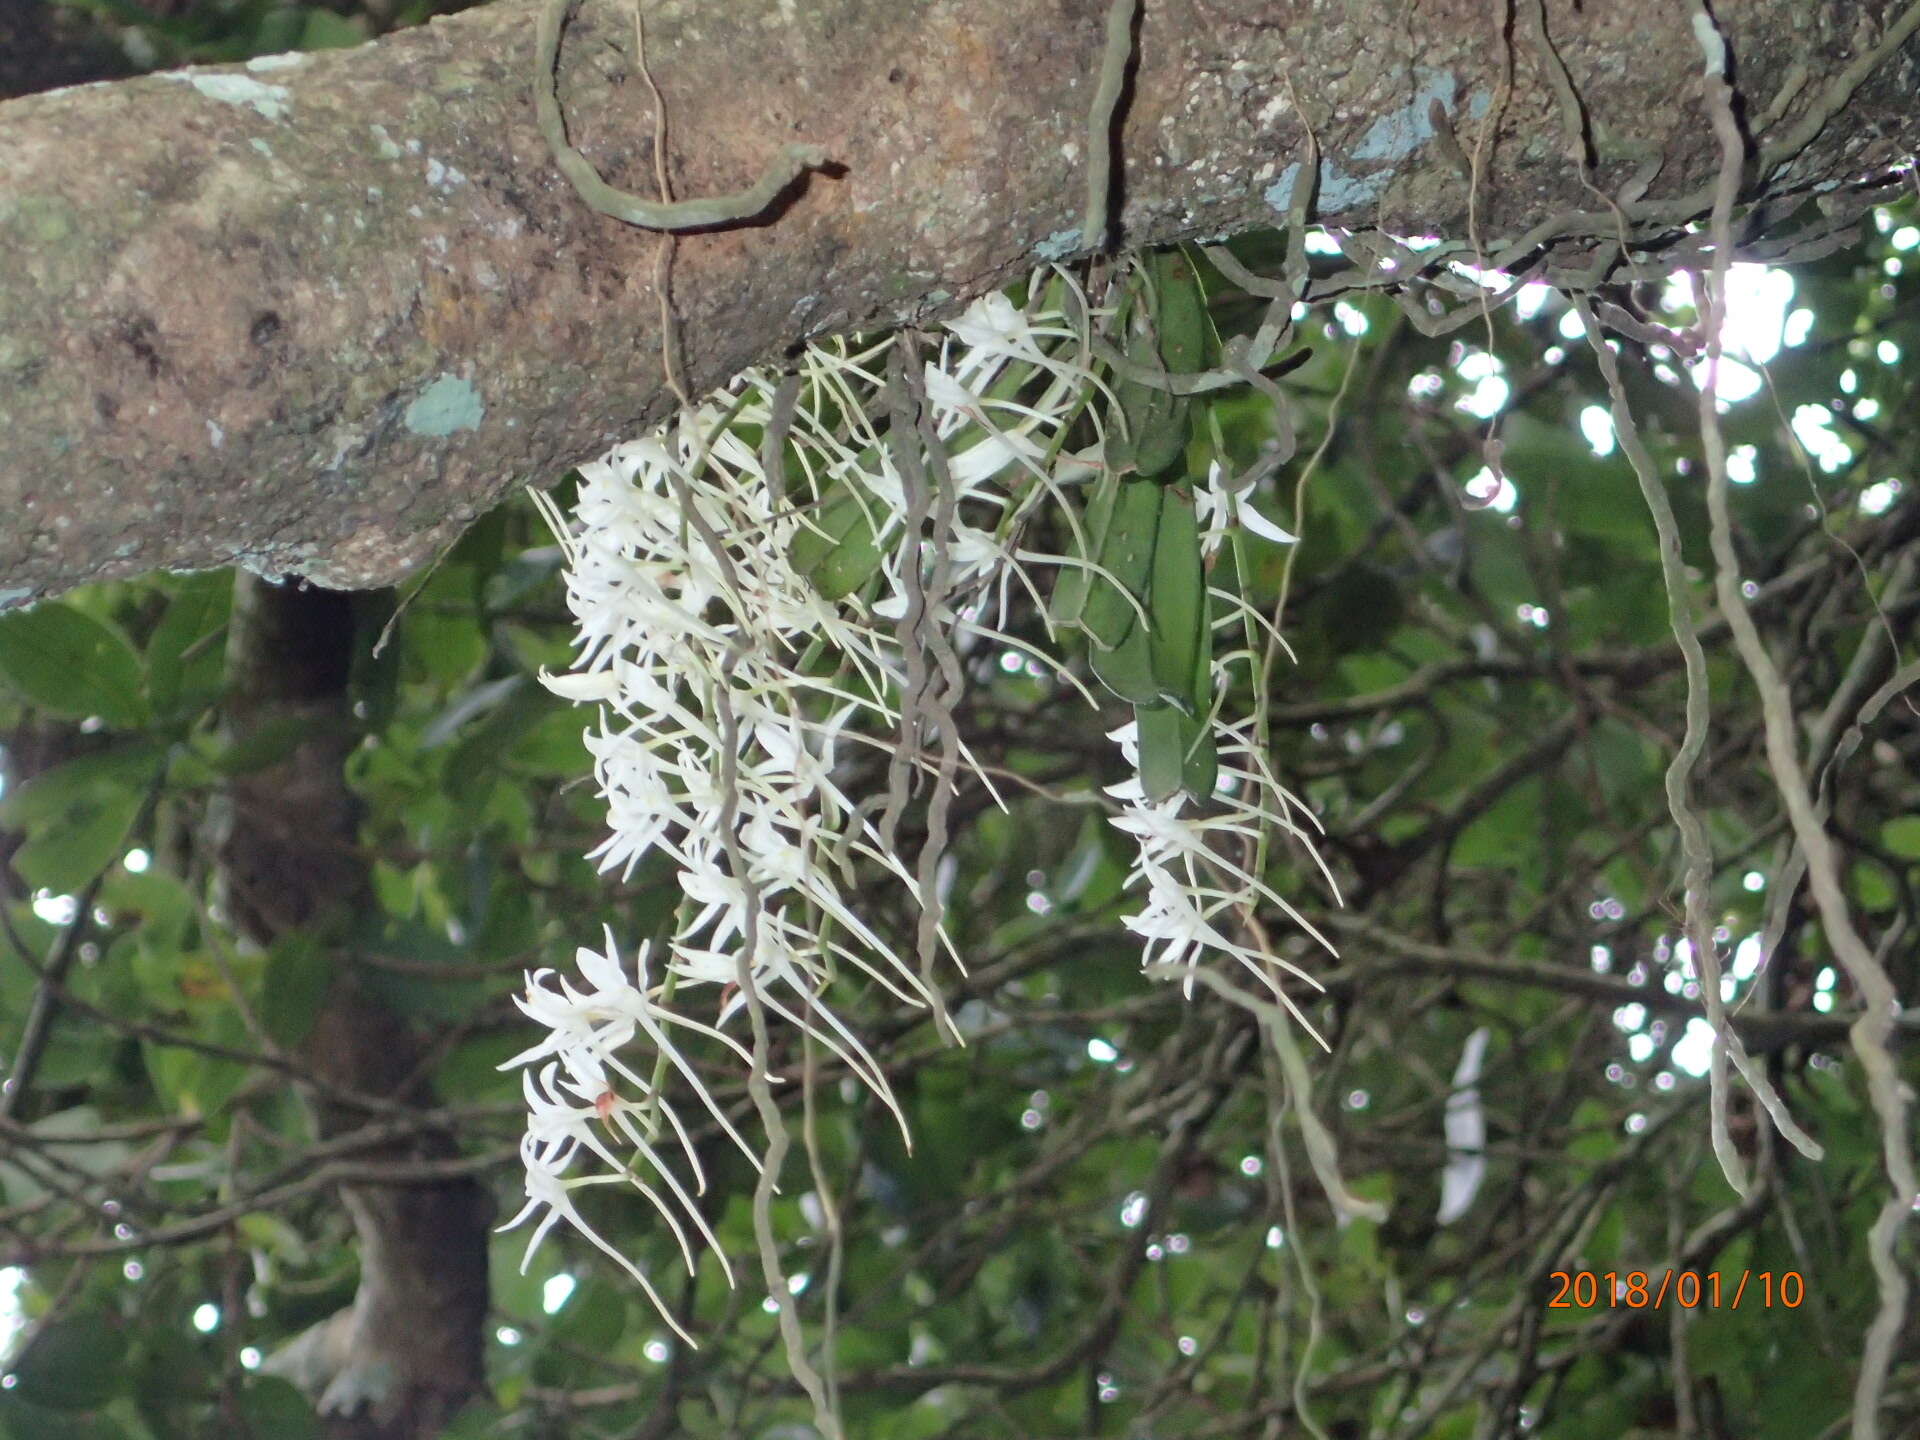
{"points": [[1689, 1289]]}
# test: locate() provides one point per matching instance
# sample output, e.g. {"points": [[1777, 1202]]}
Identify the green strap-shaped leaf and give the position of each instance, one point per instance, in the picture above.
{"points": [[1126, 554], [822, 531], [1200, 771], [298, 974], [1177, 750], [1158, 429], [1162, 736], [1127, 669], [1167, 333], [1177, 747], [1179, 590], [850, 566], [1071, 589], [1182, 321], [840, 551]]}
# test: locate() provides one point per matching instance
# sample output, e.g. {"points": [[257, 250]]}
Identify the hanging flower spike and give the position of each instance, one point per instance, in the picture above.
{"points": [[682, 579]]}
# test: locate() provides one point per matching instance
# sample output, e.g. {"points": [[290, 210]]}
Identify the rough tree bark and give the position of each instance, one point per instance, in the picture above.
{"points": [[315, 313]]}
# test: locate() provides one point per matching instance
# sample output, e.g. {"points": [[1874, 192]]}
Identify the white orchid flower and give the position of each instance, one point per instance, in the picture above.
{"points": [[1220, 509]]}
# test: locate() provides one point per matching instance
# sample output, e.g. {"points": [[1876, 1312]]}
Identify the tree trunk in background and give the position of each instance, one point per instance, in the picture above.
{"points": [[408, 1353], [314, 314]]}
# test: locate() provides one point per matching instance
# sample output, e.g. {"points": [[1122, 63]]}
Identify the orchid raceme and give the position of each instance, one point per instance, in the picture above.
{"points": [[783, 566]]}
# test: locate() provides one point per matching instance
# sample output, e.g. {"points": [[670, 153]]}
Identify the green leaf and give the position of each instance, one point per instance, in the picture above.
{"points": [[1595, 1131], [1071, 589], [1364, 605], [1200, 762], [479, 758], [274, 1407], [268, 1232], [1804, 1395], [22, 1420], [265, 744], [1901, 836], [1156, 427], [325, 30], [1506, 835], [299, 971], [1595, 496], [1127, 669], [594, 1316], [152, 901], [1183, 313], [480, 700], [1092, 874], [1166, 334], [478, 1421], [839, 551], [1126, 554], [167, 1366], [182, 658], [1162, 737], [67, 663], [1626, 764], [1872, 886], [74, 1363], [555, 747], [66, 853], [76, 1055], [518, 579], [448, 647], [194, 1083], [1178, 614], [394, 888], [472, 1069], [1603, 1401], [52, 793]]}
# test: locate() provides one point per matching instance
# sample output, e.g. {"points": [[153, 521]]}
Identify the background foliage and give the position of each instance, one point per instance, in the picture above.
{"points": [[1108, 1224]]}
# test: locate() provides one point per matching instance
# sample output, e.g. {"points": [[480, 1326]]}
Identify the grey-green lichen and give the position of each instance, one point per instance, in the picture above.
{"points": [[1059, 245], [230, 89], [447, 405]]}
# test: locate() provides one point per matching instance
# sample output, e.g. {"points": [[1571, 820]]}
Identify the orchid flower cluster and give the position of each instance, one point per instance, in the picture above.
{"points": [[1195, 890], [729, 691]]}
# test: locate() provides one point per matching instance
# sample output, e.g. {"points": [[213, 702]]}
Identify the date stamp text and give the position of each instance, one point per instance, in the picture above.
{"points": [[1689, 1289]]}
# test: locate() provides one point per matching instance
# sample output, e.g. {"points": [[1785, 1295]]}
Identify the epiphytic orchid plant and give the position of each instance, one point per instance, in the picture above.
{"points": [[793, 568]]}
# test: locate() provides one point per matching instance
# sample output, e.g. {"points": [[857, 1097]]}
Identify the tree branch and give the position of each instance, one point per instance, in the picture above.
{"points": [[315, 313]]}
